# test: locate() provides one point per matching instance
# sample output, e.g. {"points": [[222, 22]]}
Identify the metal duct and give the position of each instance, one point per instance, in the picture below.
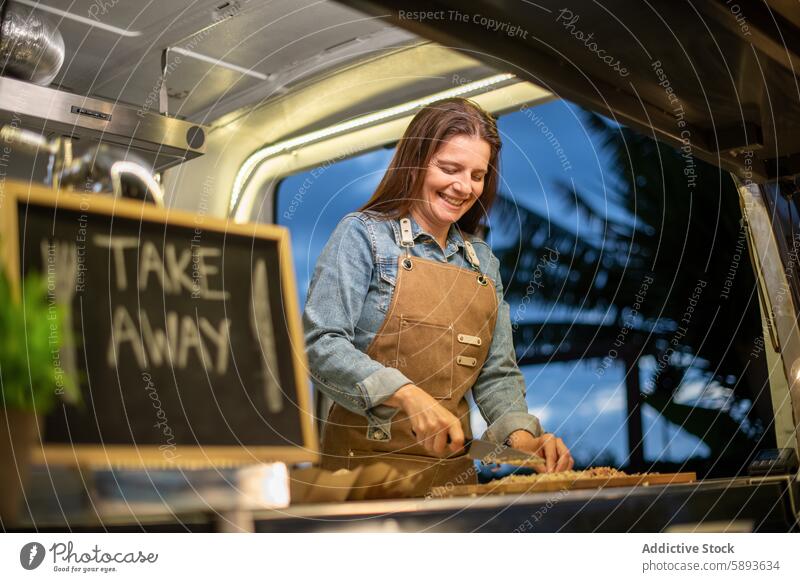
{"points": [[31, 48]]}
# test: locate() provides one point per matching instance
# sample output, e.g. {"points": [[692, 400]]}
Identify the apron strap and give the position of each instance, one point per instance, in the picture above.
{"points": [[407, 241], [472, 256]]}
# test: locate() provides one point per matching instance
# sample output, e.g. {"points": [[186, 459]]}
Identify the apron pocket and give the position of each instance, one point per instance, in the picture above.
{"points": [[425, 354]]}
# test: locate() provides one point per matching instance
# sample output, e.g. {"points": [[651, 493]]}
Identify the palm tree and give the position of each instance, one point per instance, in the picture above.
{"points": [[677, 227]]}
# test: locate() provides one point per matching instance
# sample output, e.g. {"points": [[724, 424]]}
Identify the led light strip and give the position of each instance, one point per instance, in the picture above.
{"points": [[82, 19], [248, 167]]}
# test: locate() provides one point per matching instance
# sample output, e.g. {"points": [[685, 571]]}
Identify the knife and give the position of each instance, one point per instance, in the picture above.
{"points": [[490, 453]]}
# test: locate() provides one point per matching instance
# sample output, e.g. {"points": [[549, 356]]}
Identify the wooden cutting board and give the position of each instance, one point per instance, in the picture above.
{"points": [[498, 487]]}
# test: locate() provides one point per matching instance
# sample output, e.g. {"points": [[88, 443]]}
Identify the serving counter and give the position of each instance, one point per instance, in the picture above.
{"points": [[737, 504]]}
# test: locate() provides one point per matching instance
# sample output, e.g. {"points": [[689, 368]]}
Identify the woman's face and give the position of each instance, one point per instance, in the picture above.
{"points": [[453, 182]]}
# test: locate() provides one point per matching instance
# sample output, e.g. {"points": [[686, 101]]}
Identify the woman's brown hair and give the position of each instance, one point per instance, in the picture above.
{"points": [[433, 125]]}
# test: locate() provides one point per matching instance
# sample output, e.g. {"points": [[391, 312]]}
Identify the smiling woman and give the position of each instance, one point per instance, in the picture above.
{"points": [[450, 149], [405, 313], [453, 184]]}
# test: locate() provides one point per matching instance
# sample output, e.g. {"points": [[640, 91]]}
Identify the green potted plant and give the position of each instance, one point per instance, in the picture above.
{"points": [[31, 379]]}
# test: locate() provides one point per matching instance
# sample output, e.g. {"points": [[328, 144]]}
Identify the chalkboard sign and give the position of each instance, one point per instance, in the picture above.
{"points": [[186, 332]]}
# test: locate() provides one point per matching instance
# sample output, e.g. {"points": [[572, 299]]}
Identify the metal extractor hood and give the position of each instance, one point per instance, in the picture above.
{"points": [[164, 141]]}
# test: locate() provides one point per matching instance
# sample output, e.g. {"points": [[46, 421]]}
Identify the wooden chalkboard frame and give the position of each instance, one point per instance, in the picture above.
{"points": [[15, 192]]}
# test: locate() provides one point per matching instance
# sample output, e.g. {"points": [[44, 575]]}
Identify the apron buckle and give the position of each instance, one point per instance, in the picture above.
{"points": [[406, 236]]}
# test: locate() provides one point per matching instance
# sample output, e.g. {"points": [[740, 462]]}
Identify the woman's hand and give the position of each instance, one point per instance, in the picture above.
{"points": [[434, 426], [556, 454]]}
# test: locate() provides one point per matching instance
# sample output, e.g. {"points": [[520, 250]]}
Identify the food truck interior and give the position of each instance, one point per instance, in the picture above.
{"points": [[645, 226]]}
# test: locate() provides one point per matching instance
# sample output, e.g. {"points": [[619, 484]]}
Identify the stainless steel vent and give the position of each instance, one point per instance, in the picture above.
{"points": [[163, 141]]}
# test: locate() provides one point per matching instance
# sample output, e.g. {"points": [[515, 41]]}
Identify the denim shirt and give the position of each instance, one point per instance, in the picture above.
{"points": [[347, 301]]}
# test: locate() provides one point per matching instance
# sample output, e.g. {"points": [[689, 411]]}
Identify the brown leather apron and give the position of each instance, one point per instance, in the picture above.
{"points": [[437, 331]]}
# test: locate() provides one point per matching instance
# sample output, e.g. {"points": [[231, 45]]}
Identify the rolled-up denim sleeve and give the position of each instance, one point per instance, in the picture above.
{"points": [[335, 299], [499, 390]]}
